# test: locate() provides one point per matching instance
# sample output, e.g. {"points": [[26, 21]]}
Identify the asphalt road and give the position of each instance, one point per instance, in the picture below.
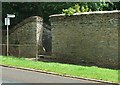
{"points": [[11, 75]]}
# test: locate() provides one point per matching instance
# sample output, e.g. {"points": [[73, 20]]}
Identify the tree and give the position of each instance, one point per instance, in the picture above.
{"points": [[24, 10]]}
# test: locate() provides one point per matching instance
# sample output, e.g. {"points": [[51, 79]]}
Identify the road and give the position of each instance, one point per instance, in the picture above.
{"points": [[11, 75]]}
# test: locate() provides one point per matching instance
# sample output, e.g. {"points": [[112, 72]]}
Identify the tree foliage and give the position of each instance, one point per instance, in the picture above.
{"points": [[23, 10], [89, 6]]}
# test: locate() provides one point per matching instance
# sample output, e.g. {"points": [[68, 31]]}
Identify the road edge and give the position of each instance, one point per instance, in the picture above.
{"points": [[53, 73]]}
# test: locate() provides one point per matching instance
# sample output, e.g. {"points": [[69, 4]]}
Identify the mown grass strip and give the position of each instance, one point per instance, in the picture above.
{"points": [[73, 70]]}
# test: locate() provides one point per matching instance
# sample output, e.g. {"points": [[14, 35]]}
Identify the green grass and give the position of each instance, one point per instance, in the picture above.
{"points": [[74, 70]]}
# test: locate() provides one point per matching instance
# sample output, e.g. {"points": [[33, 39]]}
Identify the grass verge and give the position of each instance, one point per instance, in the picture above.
{"points": [[73, 70]]}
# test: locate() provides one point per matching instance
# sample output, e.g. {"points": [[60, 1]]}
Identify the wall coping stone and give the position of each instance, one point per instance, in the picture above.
{"points": [[94, 12], [27, 20]]}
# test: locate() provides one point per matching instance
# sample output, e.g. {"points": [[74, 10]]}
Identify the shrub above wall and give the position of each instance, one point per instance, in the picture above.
{"points": [[89, 38], [23, 10]]}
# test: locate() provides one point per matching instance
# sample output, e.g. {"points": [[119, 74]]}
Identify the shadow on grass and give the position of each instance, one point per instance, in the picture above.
{"points": [[50, 59]]}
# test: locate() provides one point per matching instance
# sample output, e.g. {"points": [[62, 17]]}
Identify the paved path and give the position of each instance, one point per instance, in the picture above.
{"points": [[11, 75]]}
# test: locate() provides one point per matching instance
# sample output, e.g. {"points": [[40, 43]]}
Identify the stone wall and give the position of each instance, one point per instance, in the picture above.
{"points": [[25, 39], [86, 38], [29, 38]]}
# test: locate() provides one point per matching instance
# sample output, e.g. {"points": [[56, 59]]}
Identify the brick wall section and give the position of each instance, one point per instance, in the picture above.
{"points": [[86, 38], [25, 39]]}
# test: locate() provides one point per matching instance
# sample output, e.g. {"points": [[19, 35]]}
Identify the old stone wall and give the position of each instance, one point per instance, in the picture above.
{"points": [[86, 38], [29, 38], [25, 39]]}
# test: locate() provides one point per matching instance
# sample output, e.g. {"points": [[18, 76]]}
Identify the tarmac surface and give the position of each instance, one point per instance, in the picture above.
{"points": [[12, 75]]}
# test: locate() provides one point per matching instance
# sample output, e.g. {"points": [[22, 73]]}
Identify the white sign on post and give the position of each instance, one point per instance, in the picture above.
{"points": [[10, 16], [7, 21]]}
